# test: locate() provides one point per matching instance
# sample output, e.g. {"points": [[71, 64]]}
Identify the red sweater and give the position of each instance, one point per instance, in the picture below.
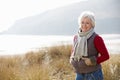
{"points": [[100, 46]]}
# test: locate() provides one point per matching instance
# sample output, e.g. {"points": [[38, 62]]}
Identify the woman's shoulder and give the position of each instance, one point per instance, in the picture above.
{"points": [[75, 38], [98, 38]]}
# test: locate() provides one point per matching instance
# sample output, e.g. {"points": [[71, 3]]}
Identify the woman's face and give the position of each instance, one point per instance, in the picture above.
{"points": [[86, 24]]}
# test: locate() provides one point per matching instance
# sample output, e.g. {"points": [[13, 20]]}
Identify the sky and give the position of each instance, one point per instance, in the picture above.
{"points": [[12, 10]]}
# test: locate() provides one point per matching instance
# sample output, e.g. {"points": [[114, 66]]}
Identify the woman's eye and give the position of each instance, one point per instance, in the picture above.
{"points": [[87, 23], [82, 23]]}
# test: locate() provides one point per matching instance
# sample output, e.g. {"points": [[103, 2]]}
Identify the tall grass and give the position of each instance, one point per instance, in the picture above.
{"points": [[51, 63]]}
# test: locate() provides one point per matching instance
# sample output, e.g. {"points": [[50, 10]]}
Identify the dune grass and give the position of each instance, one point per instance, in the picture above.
{"points": [[51, 63]]}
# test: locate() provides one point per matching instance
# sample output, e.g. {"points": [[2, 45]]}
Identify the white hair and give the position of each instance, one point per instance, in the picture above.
{"points": [[89, 15]]}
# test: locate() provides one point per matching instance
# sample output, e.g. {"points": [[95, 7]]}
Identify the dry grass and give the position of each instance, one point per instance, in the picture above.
{"points": [[50, 64], [111, 68]]}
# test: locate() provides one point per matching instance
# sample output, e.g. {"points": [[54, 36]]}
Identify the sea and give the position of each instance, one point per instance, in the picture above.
{"points": [[21, 44]]}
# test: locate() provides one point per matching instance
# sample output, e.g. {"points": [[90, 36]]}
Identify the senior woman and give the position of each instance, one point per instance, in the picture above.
{"points": [[89, 50]]}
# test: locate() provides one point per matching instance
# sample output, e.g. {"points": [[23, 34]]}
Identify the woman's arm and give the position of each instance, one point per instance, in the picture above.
{"points": [[100, 46], [74, 42], [72, 50]]}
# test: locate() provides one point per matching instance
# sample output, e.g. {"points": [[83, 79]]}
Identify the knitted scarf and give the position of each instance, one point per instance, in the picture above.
{"points": [[81, 44]]}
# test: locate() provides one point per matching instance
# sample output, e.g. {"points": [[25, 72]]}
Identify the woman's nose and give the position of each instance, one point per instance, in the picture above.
{"points": [[84, 25]]}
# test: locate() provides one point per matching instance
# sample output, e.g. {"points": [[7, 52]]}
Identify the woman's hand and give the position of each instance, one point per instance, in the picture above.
{"points": [[90, 61], [71, 59], [87, 61]]}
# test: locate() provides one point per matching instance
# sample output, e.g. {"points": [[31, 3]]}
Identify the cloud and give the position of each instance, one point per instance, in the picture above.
{"points": [[108, 9], [12, 10]]}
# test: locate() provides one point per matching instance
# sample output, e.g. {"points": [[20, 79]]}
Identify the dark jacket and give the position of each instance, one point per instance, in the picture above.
{"points": [[80, 66]]}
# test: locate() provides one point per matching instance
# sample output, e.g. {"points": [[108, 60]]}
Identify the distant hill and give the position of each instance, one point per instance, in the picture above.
{"points": [[63, 21]]}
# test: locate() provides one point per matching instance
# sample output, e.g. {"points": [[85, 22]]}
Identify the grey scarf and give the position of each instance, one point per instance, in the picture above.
{"points": [[81, 44]]}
